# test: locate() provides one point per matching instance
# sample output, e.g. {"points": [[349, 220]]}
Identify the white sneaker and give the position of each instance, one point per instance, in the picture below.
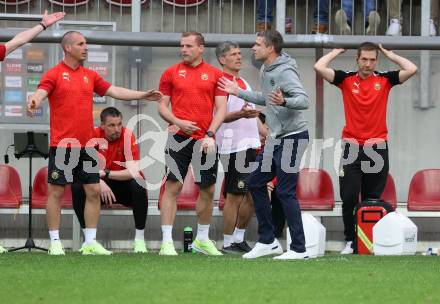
{"points": [[373, 23], [395, 29], [348, 249], [261, 249], [341, 22], [432, 30], [292, 255]]}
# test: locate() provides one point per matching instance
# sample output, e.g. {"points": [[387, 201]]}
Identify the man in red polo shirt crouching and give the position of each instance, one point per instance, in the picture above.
{"points": [[121, 179]]}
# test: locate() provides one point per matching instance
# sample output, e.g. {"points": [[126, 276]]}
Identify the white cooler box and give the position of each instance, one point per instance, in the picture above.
{"points": [[394, 234], [314, 233]]}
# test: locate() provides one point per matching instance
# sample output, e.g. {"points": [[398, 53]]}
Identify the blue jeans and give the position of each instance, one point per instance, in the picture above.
{"points": [[281, 158], [320, 13], [265, 11]]}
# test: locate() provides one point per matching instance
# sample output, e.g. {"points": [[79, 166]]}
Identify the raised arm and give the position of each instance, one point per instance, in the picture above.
{"points": [[127, 94], [407, 68], [28, 35], [321, 66], [232, 88]]}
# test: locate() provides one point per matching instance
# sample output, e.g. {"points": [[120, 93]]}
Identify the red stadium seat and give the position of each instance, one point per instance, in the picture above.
{"points": [[389, 193], [184, 3], [424, 191], [13, 2], [188, 196], [10, 187], [39, 191], [315, 190], [71, 3]]}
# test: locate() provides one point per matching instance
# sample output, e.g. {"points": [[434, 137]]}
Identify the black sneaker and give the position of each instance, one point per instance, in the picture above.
{"points": [[232, 249], [243, 246]]}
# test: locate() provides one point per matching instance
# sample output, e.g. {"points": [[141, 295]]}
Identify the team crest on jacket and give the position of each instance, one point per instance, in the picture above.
{"points": [[86, 80], [272, 82], [377, 86], [204, 76]]}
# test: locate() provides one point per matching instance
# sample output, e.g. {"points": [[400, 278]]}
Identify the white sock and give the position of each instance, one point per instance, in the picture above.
{"points": [[202, 232], [89, 235], [54, 235], [167, 233], [239, 235], [228, 239], [140, 234]]}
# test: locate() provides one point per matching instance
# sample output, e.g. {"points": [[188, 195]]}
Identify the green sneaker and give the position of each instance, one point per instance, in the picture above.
{"points": [[94, 249], [56, 248], [3, 250], [206, 247], [167, 248], [139, 246]]}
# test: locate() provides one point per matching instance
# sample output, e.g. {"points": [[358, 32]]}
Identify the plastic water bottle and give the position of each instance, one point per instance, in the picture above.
{"points": [[187, 239]]}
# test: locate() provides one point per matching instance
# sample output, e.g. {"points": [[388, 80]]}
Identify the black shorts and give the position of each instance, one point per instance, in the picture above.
{"points": [[180, 151], [237, 172], [73, 165]]}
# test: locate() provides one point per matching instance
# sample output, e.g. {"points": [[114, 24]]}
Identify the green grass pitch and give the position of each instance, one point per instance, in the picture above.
{"points": [[190, 278]]}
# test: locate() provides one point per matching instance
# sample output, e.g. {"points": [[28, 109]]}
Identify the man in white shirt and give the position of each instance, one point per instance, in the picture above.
{"points": [[237, 140]]}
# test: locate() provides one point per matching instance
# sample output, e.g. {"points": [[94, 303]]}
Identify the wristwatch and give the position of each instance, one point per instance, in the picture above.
{"points": [[107, 173], [210, 134]]}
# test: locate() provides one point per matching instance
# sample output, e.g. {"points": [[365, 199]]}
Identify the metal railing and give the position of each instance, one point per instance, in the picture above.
{"points": [[241, 16]]}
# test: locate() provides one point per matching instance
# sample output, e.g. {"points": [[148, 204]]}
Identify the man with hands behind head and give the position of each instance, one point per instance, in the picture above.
{"points": [[365, 96]]}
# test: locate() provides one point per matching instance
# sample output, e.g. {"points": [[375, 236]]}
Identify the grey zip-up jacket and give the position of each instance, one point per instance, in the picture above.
{"points": [[282, 120]]}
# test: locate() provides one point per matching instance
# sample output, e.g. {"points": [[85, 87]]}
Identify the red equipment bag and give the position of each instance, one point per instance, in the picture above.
{"points": [[367, 214]]}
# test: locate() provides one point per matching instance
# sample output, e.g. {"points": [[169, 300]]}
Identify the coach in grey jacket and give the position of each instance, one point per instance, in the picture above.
{"points": [[284, 98]]}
